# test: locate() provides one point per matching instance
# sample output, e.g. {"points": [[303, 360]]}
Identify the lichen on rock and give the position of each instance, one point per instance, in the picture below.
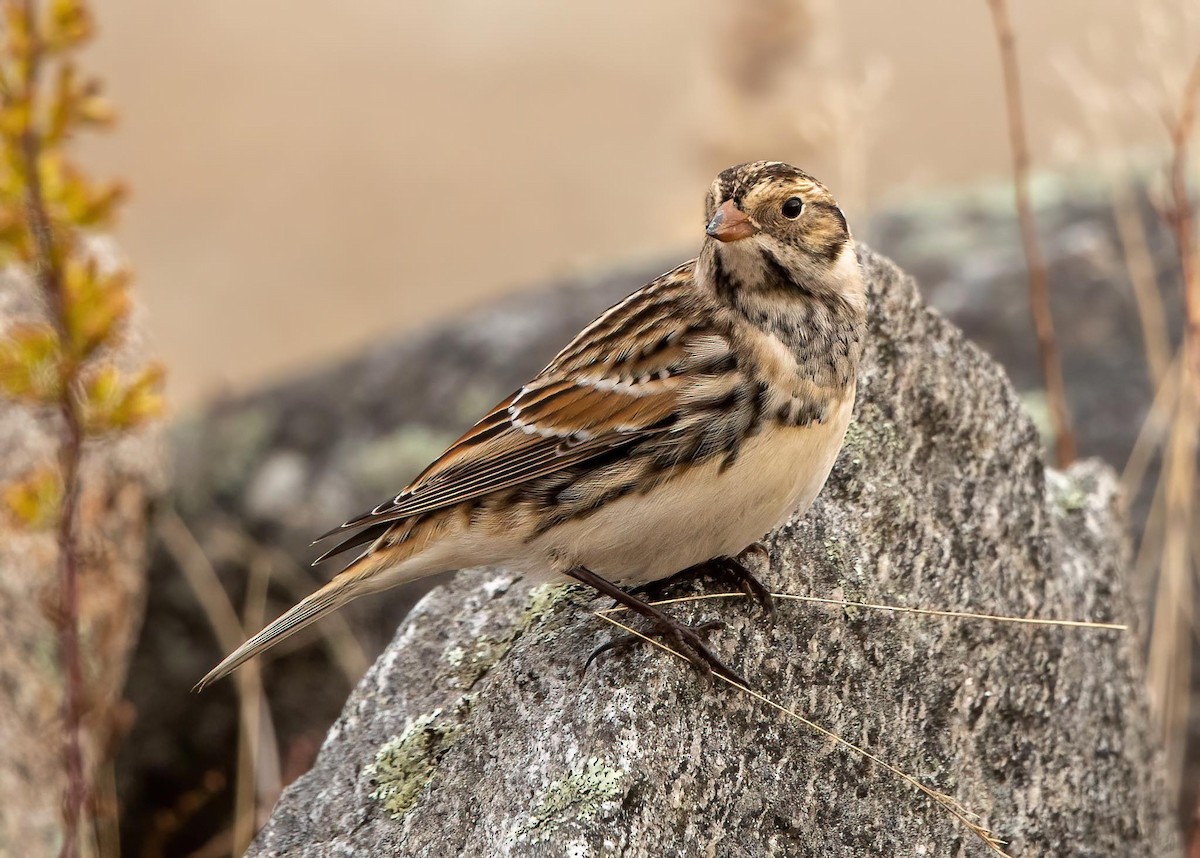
{"points": [[470, 664], [578, 796], [405, 765]]}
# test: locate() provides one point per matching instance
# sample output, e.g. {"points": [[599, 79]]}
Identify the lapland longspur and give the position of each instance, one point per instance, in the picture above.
{"points": [[676, 429]]}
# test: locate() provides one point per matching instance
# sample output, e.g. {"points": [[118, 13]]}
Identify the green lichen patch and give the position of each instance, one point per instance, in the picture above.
{"points": [[404, 765], [852, 591], [852, 444], [1037, 406], [543, 600], [579, 796], [834, 554], [472, 664], [1068, 495], [1071, 501]]}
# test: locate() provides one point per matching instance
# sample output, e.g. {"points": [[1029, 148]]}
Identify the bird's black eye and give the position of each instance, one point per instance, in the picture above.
{"points": [[793, 207]]}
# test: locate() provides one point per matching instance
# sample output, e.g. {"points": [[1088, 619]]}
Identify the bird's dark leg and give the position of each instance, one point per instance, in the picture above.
{"points": [[686, 638], [733, 568]]}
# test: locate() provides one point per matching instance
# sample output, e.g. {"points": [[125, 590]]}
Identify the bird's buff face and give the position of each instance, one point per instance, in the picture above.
{"points": [[770, 224]]}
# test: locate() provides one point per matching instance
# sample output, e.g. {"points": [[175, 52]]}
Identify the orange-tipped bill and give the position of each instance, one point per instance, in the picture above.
{"points": [[730, 223]]}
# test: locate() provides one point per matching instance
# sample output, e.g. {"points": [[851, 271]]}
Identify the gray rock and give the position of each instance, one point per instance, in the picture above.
{"points": [[475, 734]]}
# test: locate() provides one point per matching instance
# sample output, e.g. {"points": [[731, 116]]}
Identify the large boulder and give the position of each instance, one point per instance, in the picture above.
{"points": [[475, 733]]}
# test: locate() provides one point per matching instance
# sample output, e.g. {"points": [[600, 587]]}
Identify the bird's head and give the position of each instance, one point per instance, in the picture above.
{"points": [[773, 227]]}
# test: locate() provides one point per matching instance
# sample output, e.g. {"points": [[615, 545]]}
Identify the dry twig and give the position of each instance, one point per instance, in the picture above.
{"points": [[1039, 285], [258, 749], [1135, 249], [1169, 667]]}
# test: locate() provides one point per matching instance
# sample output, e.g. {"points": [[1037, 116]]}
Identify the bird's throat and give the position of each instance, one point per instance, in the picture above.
{"points": [[817, 313]]}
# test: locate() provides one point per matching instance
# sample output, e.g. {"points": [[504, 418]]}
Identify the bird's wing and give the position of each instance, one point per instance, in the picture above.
{"points": [[622, 380]]}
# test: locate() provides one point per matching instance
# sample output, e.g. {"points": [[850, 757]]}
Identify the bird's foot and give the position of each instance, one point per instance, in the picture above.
{"points": [[734, 570], [687, 639], [680, 635]]}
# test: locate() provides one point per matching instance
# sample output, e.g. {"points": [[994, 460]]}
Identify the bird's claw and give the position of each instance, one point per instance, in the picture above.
{"points": [[688, 642], [745, 579]]}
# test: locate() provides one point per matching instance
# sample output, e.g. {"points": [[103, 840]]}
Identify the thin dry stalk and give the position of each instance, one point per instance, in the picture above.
{"points": [[49, 278], [1169, 670], [344, 648], [1143, 277], [254, 711], [189, 555], [1153, 430], [1181, 216], [108, 829], [1149, 551], [1103, 120], [899, 609], [948, 803], [1039, 281], [245, 819], [1169, 659]]}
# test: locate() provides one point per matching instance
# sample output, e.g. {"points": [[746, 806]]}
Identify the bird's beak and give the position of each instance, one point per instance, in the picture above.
{"points": [[730, 223]]}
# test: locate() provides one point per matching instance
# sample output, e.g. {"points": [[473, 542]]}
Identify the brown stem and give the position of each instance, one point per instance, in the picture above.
{"points": [[1039, 285], [49, 278], [1181, 459], [1181, 216]]}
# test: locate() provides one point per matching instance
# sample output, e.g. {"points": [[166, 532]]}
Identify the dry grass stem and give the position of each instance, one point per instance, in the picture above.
{"points": [[902, 609], [1153, 431], [946, 802], [1149, 551], [259, 768], [1143, 278], [343, 646], [1169, 660], [1039, 281], [245, 821], [1123, 191], [189, 556]]}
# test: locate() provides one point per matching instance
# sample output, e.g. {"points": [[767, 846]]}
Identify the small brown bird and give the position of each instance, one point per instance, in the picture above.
{"points": [[676, 429]]}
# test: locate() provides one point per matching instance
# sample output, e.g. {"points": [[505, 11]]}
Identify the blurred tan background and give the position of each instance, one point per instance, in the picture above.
{"points": [[309, 175]]}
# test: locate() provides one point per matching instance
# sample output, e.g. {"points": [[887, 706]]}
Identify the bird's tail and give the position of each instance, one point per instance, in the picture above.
{"points": [[357, 579]]}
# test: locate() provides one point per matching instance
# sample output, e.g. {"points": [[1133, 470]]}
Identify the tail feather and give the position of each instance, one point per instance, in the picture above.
{"points": [[377, 568], [364, 536], [332, 596]]}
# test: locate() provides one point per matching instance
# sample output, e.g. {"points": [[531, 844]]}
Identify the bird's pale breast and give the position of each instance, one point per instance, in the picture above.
{"points": [[703, 511]]}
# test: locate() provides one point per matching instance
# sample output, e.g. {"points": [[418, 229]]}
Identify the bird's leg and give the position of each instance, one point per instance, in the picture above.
{"points": [[686, 638], [731, 567], [626, 641]]}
